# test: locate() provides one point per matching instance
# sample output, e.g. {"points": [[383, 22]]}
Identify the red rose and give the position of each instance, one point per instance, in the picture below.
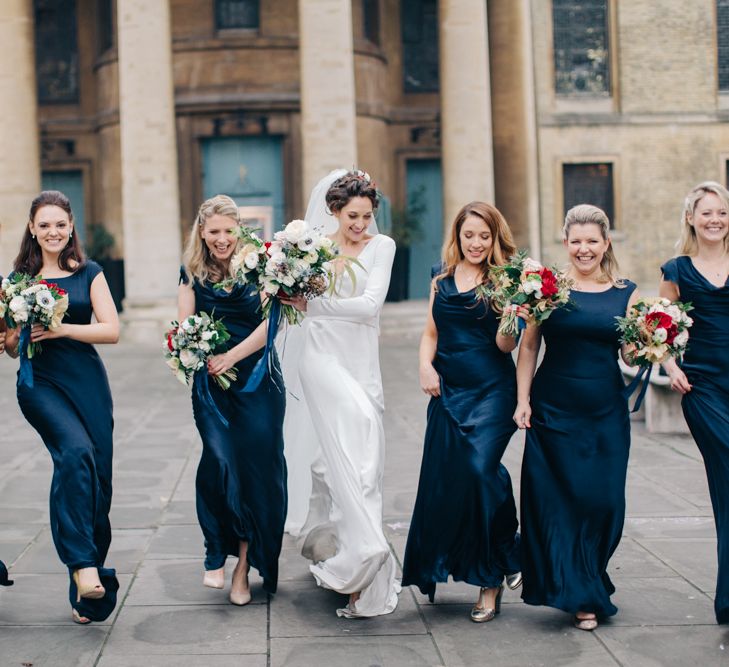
{"points": [[169, 342], [659, 320], [671, 332], [549, 283]]}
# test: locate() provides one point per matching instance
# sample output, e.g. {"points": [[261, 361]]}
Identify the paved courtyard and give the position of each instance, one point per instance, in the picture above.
{"points": [[664, 570]]}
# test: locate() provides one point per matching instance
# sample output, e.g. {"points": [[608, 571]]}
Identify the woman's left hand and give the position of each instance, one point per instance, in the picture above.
{"points": [[39, 333], [523, 312], [220, 363], [299, 302]]}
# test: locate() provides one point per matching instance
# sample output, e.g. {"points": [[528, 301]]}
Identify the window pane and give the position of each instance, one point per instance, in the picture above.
{"points": [[106, 25], [371, 20], [589, 184], [236, 14], [56, 51], [581, 61], [419, 25], [722, 39]]}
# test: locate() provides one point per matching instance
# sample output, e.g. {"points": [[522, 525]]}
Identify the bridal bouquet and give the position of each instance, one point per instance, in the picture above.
{"points": [[523, 281], [655, 329], [188, 345], [27, 301], [297, 262]]}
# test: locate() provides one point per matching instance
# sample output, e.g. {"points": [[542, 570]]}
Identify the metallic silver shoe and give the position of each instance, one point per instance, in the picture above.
{"points": [[588, 624], [513, 581], [482, 614]]}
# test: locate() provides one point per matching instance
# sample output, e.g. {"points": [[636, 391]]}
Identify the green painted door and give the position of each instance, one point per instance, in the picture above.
{"points": [[425, 183], [250, 170], [71, 183]]}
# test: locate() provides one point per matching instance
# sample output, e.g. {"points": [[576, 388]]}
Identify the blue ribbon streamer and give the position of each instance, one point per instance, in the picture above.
{"points": [[521, 325], [202, 388], [628, 391], [25, 373], [262, 365]]}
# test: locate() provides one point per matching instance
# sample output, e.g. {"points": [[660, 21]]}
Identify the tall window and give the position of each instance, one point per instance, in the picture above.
{"points": [[236, 14], [371, 20], [581, 53], [589, 183], [419, 21], [722, 41], [105, 25], [56, 51]]}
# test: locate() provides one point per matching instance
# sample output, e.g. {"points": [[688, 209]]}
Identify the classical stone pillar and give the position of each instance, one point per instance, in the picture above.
{"points": [[20, 160], [150, 192], [328, 115], [465, 101]]}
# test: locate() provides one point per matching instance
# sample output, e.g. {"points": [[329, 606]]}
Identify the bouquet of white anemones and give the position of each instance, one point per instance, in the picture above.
{"points": [[655, 329], [297, 262], [28, 301], [188, 345]]}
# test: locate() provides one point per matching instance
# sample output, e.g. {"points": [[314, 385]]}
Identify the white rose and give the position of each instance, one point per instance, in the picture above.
{"points": [[660, 335], [207, 335], [288, 280], [531, 286], [18, 305], [33, 289], [270, 287], [532, 265], [324, 242], [189, 359], [186, 325], [251, 260], [674, 312], [681, 338], [311, 257], [300, 267], [204, 346], [296, 230]]}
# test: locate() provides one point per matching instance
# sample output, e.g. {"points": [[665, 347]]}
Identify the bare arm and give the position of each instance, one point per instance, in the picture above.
{"points": [[625, 350], [508, 343], [679, 381], [104, 330], [525, 366], [429, 379]]}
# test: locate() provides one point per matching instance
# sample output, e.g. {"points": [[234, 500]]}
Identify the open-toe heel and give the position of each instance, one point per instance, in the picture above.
{"points": [[92, 592]]}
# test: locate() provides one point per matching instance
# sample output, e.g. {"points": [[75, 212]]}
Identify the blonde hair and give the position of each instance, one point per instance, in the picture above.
{"points": [[199, 263], [587, 214], [688, 244], [502, 242]]}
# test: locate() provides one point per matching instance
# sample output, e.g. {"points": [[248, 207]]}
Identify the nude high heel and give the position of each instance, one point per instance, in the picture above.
{"points": [[92, 592]]}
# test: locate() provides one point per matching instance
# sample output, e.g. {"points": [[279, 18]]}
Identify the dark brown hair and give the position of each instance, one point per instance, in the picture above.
{"points": [[352, 184], [30, 257]]}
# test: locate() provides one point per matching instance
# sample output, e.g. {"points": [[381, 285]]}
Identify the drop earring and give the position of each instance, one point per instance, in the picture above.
{"points": [[70, 236], [32, 236]]}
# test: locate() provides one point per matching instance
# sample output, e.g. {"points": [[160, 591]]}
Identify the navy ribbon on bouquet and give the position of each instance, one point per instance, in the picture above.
{"points": [[263, 364], [628, 391], [202, 388], [25, 373], [521, 325]]}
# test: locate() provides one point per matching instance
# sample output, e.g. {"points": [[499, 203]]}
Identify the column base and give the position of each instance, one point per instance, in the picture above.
{"points": [[145, 323]]}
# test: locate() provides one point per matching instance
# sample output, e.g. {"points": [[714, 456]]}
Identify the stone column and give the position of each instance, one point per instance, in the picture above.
{"points": [[328, 114], [150, 191], [19, 137], [465, 99]]}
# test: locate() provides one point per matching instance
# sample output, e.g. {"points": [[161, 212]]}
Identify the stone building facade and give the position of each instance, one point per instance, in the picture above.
{"points": [[141, 109]]}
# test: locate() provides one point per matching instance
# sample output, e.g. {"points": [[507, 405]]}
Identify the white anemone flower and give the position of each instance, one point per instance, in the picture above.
{"points": [[45, 299]]}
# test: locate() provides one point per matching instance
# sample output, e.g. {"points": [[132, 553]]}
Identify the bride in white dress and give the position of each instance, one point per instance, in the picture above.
{"points": [[333, 434]]}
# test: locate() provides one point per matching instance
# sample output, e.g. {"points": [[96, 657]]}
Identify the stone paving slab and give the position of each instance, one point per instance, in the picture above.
{"points": [[664, 569]]}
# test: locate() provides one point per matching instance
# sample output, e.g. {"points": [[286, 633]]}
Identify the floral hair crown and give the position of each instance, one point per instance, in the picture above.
{"points": [[362, 175]]}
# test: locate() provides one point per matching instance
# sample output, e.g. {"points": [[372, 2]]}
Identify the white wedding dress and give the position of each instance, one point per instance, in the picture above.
{"points": [[334, 438]]}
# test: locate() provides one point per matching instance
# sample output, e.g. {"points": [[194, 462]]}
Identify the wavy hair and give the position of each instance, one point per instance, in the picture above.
{"points": [[502, 244], [587, 214], [352, 184], [688, 244], [30, 256], [199, 263]]}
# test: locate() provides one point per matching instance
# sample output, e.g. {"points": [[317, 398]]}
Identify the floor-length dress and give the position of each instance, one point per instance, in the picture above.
{"points": [[241, 480], [341, 388], [70, 406], [576, 457], [706, 406], [464, 522]]}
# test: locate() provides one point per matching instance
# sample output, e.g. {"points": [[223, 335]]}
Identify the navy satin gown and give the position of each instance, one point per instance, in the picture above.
{"points": [[71, 408], [241, 479], [464, 523], [706, 406], [576, 458]]}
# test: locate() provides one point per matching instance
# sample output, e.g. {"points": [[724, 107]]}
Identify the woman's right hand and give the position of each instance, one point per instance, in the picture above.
{"points": [[299, 302], [523, 415], [429, 380], [679, 381]]}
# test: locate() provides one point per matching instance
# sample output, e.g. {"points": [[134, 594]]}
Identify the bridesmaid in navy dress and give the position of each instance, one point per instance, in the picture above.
{"points": [[4, 581], [576, 453], [241, 479], [464, 522], [700, 275], [70, 403]]}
